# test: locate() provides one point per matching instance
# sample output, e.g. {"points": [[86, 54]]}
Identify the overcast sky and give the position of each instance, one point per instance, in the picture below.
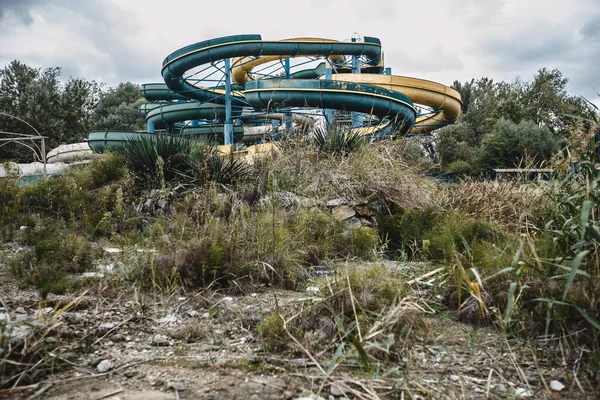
{"points": [[442, 40]]}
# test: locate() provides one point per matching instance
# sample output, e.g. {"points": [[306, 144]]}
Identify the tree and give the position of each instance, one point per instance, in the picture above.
{"points": [[59, 111], [119, 108], [453, 144]]}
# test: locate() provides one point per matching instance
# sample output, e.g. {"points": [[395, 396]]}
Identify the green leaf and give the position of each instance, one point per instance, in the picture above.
{"points": [[511, 303], [595, 232], [574, 268], [585, 216], [593, 321]]}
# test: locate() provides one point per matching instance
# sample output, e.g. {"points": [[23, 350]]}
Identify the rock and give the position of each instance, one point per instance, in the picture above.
{"points": [[556, 386], [205, 315], [343, 213], [454, 378], [158, 381], [176, 385], [313, 290], [337, 202], [107, 326], [105, 366], [95, 361], [69, 356], [160, 340], [130, 373], [228, 299], [170, 319], [335, 390], [365, 212], [500, 388], [20, 310], [254, 397], [366, 222], [23, 228], [523, 393], [92, 275], [192, 313]]}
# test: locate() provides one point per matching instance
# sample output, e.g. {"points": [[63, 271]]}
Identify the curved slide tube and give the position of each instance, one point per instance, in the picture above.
{"points": [[183, 60], [446, 102], [349, 96]]}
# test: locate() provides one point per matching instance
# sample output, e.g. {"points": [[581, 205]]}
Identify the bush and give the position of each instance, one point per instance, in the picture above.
{"points": [[361, 242], [510, 143], [406, 229]]}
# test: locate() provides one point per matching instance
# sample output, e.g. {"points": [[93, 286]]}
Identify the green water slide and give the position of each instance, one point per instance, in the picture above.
{"points": [[183, 98]]}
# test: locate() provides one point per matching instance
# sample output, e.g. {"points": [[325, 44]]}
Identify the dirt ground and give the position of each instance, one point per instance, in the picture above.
{"points": [[117, 343]]}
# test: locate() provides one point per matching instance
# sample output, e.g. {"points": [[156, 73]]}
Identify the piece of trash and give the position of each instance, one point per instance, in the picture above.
{"points": [[110, 267], [321, 271], [112, 250]]}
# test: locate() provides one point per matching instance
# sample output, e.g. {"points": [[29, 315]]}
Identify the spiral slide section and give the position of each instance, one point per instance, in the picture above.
{"points": [[445, 102], [252, 96]]}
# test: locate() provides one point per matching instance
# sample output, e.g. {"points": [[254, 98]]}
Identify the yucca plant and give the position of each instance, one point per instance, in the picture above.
{"points": [[338, 140], [152, 157]]}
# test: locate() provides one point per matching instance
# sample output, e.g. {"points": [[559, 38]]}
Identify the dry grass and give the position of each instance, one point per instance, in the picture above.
{"points": [[504, 202], [371, 172]]}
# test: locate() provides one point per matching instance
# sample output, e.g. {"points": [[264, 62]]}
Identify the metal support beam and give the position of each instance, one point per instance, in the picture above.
{"points": [[288, 114], [329, 112], [357, 118], [228, 130]]}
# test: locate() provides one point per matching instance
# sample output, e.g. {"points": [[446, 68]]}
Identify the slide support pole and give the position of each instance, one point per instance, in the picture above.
{"points": [[357, 118], [329, 112], [288, 114], [228, 129]]}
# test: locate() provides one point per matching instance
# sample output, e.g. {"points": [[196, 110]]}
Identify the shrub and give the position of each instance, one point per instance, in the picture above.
{"points": [[362, 242], [337, 141], [509, 143]]}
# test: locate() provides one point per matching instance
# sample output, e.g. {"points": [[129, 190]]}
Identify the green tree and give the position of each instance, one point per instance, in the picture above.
{"points": [[119, 108], [453, 144], [59, 111], [510, 143]]}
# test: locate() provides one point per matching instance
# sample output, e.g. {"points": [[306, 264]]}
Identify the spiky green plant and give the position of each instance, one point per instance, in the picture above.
{"points": [[142, 155], [337, 140]]}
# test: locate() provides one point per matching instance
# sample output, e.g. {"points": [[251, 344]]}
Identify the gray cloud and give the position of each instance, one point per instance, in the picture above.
{"points": [[19, 9], [441, 40], [591, 29]]}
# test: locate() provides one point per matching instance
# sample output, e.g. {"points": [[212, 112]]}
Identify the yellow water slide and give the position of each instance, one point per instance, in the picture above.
{"points": [[446, 102]]}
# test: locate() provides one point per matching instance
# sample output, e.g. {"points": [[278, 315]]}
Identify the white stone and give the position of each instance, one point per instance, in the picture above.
{"points": [[160, 340], [335, 390], [523, 393], [454, 378], [336, 202], [557, 386], [104, 366]]}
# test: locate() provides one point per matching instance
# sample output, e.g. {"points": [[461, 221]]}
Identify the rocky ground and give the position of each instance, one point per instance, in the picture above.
{"points": [[112, 342]]}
